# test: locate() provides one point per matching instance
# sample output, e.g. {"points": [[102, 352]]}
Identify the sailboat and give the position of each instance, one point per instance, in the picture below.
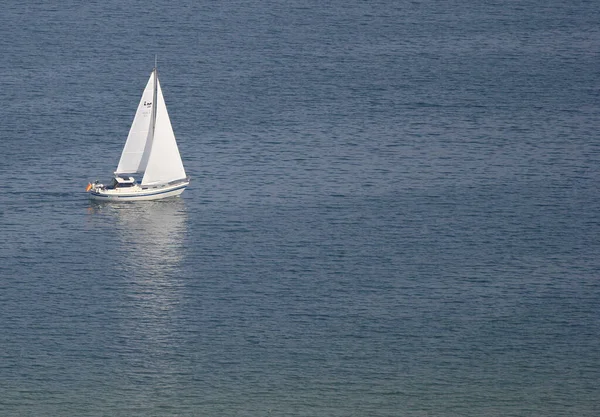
{"points": [[150, 153]]}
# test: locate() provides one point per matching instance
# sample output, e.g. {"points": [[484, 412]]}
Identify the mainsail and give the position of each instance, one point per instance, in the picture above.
{"points": [[137, 148], [151, 148]]}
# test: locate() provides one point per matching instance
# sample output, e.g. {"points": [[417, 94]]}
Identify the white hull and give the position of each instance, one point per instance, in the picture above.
{"points": [[138, 193]]}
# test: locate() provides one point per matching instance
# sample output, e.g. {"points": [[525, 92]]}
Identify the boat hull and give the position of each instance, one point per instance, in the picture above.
{"points": [[140, 194]]}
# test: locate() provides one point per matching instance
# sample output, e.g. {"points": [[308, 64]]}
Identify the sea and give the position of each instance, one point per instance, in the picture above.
{"points": [[394, 209]]}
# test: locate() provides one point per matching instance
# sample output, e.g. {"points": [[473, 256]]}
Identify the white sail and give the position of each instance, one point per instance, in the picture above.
{"points": [[164, 161], [137, 148]]}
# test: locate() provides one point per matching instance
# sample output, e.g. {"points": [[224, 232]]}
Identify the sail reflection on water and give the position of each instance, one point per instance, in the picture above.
{"points": [[146, 286], [151, 238], [152, 235]]}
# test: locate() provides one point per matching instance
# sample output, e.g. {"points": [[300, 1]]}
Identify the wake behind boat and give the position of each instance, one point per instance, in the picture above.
{"points": [[150, 153]]}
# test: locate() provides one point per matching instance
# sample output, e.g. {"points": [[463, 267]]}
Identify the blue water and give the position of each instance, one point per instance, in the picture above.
{"points": [[394, 210]]}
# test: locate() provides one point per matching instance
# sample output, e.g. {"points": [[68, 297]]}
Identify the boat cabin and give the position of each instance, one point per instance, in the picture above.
{"points": [[119, 182]]}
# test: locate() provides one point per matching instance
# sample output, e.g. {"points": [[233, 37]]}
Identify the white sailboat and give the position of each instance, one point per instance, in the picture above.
{"points": [[150, 153]]}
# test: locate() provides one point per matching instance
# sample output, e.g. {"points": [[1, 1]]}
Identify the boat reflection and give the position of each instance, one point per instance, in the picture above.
{"points": [[149, 241], [151, 235]]}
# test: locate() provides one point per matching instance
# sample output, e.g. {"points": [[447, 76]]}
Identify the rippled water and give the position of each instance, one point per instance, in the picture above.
{"points": [[394, 210]]}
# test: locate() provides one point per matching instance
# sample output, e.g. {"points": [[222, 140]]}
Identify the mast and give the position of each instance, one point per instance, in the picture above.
{"points": [[154, 97]]}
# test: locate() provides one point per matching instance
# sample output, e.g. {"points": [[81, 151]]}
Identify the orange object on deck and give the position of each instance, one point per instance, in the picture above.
{"points": [[89, 186]]}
